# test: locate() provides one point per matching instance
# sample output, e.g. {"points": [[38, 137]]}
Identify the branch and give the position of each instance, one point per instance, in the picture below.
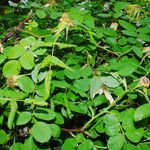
{"points": [[79, 130], [8, 35]]}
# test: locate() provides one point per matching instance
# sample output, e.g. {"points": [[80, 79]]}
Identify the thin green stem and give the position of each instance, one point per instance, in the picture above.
{"points": [[105, 110], [107, 50]]}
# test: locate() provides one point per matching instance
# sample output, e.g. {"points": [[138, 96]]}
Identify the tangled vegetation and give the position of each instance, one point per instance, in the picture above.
{"points": [[75, 75]]}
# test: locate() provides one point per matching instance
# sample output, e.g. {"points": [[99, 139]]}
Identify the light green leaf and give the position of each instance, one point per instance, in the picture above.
{"points": [[95, 86], [86, 72], [58, 62], [138, 51], [27, 60], [30, 144], [11, 68], [59, 119], [135, 135], [72, 74], [86, 145], [23, 118], [47, 84], [12, 114], [26, 42], [41, 14], [82, 84], [110, 81], [112, 130], [17, 146], [44, 114], [26, 84], [129, 33], [142, 112], [126, 25], [59, 84], [144, 37], [3, 137], [116, 142], [110, 119], [16, 51], [2, 58], [41, 132], [46, 61], [75, 108], [55, 130], [69, 144]]}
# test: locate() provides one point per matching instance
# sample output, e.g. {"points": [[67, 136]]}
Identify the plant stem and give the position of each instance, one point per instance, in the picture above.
{"points": [[105, 111]]}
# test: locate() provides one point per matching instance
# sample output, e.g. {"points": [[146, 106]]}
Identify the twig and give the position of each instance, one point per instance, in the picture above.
{"points": [[8, 35], [79, 130]]}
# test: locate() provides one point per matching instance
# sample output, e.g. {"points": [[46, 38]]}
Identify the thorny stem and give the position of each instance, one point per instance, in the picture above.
{"points": [[105, 110]]}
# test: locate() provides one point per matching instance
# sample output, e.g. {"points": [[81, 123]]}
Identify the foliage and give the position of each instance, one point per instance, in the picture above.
{"points": [[76, 76]]}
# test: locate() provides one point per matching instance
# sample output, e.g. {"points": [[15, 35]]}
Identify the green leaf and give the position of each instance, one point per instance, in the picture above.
{"points": [[95, 86], [3, 136], [41, 132], [69, 144], [110, 81], [46, 61], [16, 52], [86, 145], [138, 51], [44, 114], [11, 68], [47, 84], [17, 146], [101, 99], [2, 58], [40, 13], [26, 84], [116, 142], [23, 118], [72, 74], [129, 147], [58, 62], [142, 112], [126, 117], [30, 144], [80, 137], [30, 40], [109, 32], [82, 84], [59, 119], [127, 26], [129, 33], [112, 130], [135, 135], [75, 108], [60, 84], [89, 21], [55, 130], [122, 41], [27, 60], [144, 37], [86, 72], [110, 119], [12, 114]]}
